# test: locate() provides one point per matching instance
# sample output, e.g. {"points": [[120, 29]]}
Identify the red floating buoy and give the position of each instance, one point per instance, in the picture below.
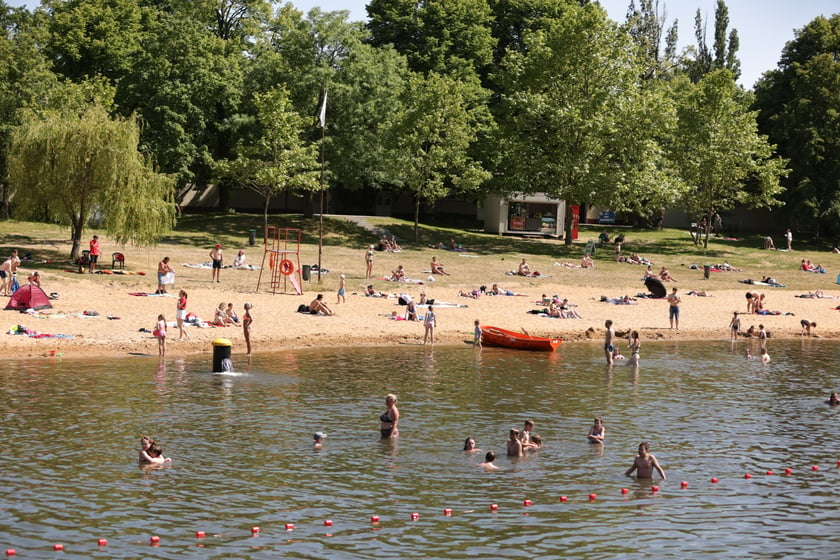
{"points": [[200, 534], [683, 484], [327, 522], [415, 516], [625, 491], [593, 497], [58, 546], [748, 476], [714, 481], [374, 519], [102, 542], [563, 498], [815, 468], [527, 503], [290, 526], [447, 511], [154, 539], [255, 530], [788, 471], [494, 507], [11, 552], [654, 488], [769, 473]]}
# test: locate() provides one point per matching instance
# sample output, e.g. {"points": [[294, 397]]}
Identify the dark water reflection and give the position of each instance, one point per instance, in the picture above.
{"points": [[243, 457]]}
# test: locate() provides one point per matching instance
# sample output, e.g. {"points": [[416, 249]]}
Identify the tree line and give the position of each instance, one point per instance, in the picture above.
{"points": [[108, 107]]}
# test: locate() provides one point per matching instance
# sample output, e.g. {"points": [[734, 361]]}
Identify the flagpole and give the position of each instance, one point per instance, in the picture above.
{"points": [[321, 213]]}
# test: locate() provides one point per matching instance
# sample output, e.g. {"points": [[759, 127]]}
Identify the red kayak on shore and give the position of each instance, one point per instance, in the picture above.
{"points": [[503, 338]]}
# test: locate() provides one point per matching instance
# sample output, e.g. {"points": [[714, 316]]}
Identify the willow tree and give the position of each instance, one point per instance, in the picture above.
{"points": [[68, 167]]}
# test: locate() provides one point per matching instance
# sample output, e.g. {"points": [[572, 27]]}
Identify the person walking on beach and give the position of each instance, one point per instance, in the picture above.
{"points": [[181, 314], [429, 323], [342, 289], [645, 463], [674, 308], [734, 326], [247, 321], [608, 342], [217, 257], [94, 253]]}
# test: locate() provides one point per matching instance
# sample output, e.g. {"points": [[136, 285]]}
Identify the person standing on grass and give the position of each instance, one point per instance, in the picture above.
{"points": [[674, 308], [789, 239], [217, 258], [369, 262], [94, 253]]}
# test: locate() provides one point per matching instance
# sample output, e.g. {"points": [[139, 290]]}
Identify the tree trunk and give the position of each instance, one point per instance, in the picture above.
{"points": [[416, 218], [567, 227], [265, 212], [78, 228], [308, 211]]}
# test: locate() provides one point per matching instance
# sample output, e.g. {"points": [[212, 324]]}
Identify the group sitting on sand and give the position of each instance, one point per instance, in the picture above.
{"points": [[389, 245]]}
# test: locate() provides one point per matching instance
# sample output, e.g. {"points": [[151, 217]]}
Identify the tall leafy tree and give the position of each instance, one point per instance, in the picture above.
{"points": [[576, 123], [74, 165], [719, 151], [429, 141], [798, 108], [724, 51], [278, 159], [441, 36], [646, 25], [25, 76]]}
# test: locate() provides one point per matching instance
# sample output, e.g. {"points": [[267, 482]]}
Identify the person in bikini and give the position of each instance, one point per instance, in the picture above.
{"points": [[597, 432], [389, 419]]}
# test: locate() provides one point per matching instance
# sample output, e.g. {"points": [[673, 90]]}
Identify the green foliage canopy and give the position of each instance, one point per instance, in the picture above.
{"points": [[69, 167]]}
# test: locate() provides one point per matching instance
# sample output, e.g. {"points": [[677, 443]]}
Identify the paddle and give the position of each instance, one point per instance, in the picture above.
{"points": [[526, 332]]}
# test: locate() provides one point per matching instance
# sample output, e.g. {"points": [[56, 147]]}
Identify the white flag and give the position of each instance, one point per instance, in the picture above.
{"points": [[323, 116]]}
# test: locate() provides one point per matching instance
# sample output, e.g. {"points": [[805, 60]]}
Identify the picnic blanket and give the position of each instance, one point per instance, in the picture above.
{"points": [[532, 275], [148, 294]]}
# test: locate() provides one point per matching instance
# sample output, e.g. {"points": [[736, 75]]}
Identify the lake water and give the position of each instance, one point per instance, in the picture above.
{"points": [[243, 457]]}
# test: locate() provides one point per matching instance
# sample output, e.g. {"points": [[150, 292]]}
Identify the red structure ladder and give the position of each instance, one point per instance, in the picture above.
{"points": [[281, 258]]}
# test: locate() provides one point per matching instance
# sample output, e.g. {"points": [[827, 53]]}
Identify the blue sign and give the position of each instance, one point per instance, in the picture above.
{"points": [[606, 218]]}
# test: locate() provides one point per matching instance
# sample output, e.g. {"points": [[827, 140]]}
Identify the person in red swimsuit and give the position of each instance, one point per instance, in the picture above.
{"points": [[94, 253]]}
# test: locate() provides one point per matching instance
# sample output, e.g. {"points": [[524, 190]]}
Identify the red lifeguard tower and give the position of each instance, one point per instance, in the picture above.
{"points": [[282, 251]]}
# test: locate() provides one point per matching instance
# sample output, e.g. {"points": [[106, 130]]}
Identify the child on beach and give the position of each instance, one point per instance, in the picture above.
{"points": [[645, 463], [217, 257], [477, 335], [161, 335], [429, 323], [342, 288], [181, 314], [807, 326], [734, 326], [231, 315]]}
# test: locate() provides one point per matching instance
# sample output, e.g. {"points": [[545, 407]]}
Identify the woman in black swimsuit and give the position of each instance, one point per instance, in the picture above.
{"points": [[390, 418]]}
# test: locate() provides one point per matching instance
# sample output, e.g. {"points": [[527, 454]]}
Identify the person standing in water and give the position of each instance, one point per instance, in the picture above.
{"points": [[645, 463], [734, 326], [635, 345], [608, 342], [247, 321], [389, 419]]}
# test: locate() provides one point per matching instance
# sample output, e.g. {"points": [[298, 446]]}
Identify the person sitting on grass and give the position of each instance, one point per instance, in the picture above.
{"points": [[437, 268]]}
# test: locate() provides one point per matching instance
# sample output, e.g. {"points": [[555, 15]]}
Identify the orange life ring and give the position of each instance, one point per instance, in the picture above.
{"points": [[286, 267]]}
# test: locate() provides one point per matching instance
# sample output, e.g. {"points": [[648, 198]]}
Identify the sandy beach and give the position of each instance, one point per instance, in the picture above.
{"points": [[116, 329]]}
